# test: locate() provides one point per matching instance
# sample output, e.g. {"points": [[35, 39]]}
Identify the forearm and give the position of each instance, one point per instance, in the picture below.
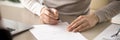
{"points": [[32, 5], [108, 11]]}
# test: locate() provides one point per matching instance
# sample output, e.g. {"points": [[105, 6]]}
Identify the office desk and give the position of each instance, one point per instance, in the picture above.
{"points": [[90, 34], [23, 15]]}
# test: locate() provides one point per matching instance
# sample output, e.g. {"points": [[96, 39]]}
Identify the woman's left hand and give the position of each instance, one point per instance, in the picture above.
{"points": [[83, 22]]}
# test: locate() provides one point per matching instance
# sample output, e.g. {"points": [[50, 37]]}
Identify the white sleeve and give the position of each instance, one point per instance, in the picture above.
{"points": [[33, 5]]}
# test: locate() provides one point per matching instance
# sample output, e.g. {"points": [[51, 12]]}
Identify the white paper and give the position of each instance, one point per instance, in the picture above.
{"points": [[108, 32], [116, 19], [55, 32]]}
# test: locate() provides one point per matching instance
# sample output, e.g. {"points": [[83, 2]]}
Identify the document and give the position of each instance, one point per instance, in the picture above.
{"points": [[55, 32], [109, 32]]}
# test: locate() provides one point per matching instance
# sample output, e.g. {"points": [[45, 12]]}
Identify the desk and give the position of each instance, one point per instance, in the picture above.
{"points": [[23, 15], [90, 34]]}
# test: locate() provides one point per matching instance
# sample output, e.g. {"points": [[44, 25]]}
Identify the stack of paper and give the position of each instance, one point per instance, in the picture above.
{"points": [[55, 32]]}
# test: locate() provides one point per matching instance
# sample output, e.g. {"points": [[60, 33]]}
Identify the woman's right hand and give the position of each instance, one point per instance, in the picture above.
{"points": [[49, 16]]}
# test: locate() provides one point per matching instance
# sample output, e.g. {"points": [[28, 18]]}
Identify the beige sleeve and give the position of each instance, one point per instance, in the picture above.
{"points": [[107, 12]]}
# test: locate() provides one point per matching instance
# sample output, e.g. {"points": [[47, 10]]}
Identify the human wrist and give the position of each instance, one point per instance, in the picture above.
{"points": [[93, 17], [92, 14]]}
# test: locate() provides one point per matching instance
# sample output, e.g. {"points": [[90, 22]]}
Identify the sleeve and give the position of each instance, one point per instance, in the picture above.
{"points": [[107, 12], [33, 5]]}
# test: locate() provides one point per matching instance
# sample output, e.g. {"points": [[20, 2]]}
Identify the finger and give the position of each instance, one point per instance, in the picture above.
{"points": [[41, 18], [87, 27], [55, 12], [83, 25], [76, 24], [83, 29], [76, 20], [49, 20], [52, 22], [49, 14]]}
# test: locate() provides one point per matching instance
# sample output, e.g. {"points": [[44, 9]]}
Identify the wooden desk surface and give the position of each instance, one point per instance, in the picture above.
{"points": [[23, 15], [25, 36]]}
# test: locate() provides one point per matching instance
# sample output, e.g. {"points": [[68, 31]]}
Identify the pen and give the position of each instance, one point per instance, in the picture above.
{"points": [[116, 33], [52, 12]]}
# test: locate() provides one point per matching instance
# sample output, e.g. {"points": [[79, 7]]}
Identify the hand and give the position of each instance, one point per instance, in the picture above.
{"points": [[49, 16], [82, 23]]}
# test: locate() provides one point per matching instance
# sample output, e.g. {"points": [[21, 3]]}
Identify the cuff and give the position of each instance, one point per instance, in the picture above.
{"points": [[37, 8], [101, 16]]}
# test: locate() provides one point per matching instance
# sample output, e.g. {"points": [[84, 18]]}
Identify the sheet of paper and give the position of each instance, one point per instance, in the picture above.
{"points": [[108, 32], [116, 19], [55, 32]]}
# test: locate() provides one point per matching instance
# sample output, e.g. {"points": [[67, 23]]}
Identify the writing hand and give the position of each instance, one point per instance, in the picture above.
{"points": [[49, 16]]}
